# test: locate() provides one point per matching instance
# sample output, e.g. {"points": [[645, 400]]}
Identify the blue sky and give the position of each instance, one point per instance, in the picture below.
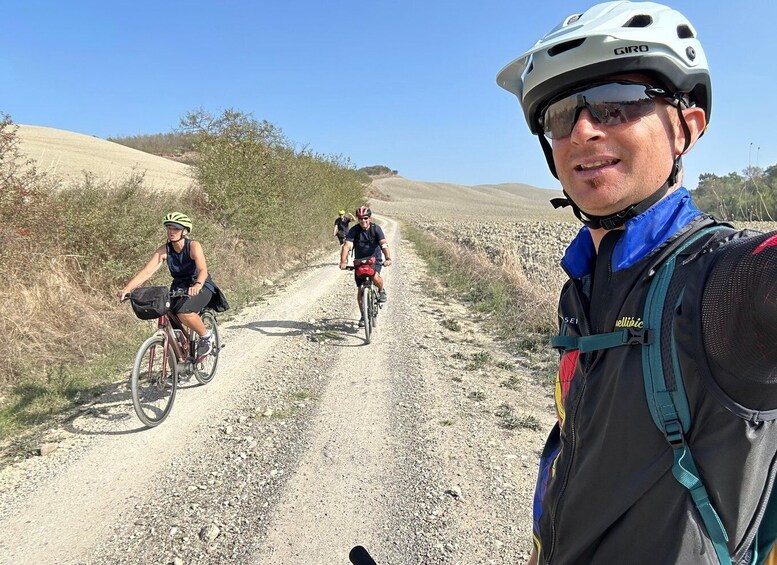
{"points": [[408, 84]]}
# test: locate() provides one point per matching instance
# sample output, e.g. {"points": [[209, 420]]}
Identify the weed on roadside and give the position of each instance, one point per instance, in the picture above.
{"points": [[478, 360], [478, 395], [451, 324], [303, 395], [513, 382], [512, 421], [506, 365]]}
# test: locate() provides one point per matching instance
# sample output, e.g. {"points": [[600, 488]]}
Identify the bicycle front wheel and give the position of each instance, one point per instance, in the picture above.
{"points": [[154, 381], [206, 369], [366, 313], [373, 306]]}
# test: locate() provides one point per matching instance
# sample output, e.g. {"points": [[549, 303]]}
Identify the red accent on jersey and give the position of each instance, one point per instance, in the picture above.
{"points": [[566, 371], [771, 242]]}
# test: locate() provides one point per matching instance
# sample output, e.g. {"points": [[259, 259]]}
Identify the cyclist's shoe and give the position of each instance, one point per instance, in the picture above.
{"points": [[361, 322], [204, 347], [382, 296]]}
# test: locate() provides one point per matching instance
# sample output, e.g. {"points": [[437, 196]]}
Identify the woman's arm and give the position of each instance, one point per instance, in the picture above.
{"points": [[202, 268], [159, 257]]}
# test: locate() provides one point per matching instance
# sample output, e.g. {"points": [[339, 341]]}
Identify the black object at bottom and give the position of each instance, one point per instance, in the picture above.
{"points": [[360, 556]]}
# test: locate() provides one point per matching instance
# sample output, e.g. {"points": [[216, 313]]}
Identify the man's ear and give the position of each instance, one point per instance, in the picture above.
{"points": [[697, 122]]}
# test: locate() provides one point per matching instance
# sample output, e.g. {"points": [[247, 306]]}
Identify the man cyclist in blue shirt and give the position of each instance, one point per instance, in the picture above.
{"points": [[616, 96], [367, 240]]}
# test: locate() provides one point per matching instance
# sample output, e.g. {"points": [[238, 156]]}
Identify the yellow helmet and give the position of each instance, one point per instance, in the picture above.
{"points": [[342, 212], [179, 220]]}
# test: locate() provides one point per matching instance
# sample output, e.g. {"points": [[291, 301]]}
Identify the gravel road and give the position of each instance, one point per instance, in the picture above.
{"points": [[421, 446]]}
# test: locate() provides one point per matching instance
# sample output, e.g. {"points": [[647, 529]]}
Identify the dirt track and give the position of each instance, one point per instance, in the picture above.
{"points": [[307, 443]]}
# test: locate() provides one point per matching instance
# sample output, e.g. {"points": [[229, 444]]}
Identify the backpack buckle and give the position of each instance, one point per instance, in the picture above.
{"points": [[638, 336], [673, 431]]}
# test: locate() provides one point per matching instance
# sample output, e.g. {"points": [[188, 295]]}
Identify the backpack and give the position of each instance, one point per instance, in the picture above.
{"points": [[668, 402]]}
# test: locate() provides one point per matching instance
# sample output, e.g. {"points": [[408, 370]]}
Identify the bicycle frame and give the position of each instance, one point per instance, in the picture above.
{"points": [[166, 329]]}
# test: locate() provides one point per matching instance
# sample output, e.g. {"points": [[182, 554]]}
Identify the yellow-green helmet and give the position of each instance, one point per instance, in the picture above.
{"points": [[342, 212], [178, 220]]}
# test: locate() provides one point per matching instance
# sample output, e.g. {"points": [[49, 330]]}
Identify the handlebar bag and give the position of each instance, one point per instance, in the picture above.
{"points": [[150, 302]]}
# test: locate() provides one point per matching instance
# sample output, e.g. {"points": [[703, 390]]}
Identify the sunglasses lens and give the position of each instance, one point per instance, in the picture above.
{"points": [[609, 104]]}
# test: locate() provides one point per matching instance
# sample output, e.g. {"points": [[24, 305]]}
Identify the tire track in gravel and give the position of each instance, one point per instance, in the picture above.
{"points": [[359, 479]]}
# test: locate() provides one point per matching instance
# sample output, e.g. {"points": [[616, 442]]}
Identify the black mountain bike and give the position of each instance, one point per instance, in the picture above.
{"points": [[368, 295], [165, 358]]}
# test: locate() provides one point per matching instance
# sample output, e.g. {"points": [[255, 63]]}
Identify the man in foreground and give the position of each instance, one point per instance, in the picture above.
{"points": [[367, 240], [616, 96]]}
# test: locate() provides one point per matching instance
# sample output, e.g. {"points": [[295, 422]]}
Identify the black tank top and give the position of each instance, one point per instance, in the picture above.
{"points": [[182, 267]]}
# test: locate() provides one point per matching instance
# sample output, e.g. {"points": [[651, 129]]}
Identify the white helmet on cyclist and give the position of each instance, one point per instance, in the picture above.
{"points": [[607, 40]]}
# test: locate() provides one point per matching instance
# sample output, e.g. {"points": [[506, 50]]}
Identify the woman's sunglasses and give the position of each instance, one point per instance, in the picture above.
{"points": [[610, 103]]}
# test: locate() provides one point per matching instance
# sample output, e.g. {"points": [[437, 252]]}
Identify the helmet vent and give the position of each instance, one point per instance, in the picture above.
{"points": [[684, 32], [642, 20], [566, 46]]}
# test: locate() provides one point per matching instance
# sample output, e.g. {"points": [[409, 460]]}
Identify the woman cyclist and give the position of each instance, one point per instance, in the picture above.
{"points": [[186, 261]]}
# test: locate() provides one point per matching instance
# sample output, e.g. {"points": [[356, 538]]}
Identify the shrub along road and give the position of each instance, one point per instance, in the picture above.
{"points": [[421, 446]]}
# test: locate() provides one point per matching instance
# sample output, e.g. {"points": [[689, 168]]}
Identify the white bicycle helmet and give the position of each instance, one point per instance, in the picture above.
{"points": [[608, 39]]}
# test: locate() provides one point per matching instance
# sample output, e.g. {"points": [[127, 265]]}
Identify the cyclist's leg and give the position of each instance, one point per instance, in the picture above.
{"points": [[379, 283], [188, 310], [359, 287]]}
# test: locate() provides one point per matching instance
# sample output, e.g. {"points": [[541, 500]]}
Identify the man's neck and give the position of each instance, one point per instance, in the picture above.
{"points": [[597, 236]]}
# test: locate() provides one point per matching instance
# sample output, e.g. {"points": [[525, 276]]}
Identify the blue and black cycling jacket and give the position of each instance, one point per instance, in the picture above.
{"points": [[605, 491]]}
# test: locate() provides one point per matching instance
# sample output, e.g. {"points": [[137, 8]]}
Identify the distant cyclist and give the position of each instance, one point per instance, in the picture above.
{"points": [[341, 225], [367, 240], [186, 261]]}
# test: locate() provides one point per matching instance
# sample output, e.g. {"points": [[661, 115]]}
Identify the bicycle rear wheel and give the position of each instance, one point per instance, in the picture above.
{"points": [[154, 381], [206, 369], [366, 313]]}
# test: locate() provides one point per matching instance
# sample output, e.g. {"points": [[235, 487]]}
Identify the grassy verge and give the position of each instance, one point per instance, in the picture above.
{"points": [[522, 313]]}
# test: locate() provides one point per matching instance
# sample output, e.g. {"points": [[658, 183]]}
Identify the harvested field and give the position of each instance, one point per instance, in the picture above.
{"points": [[68, 156]]}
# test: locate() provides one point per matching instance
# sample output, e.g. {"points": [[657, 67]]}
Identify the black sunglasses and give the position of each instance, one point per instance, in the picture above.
{"points": [[610, 103]]}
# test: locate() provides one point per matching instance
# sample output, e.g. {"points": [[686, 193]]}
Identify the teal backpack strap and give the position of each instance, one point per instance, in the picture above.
{"points": [[669, 405], [596, 342]]}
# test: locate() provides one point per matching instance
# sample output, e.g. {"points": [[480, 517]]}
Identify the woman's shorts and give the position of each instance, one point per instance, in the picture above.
{"points": [[193, 304]]}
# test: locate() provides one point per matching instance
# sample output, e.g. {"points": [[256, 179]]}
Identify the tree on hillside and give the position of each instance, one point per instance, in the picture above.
{"points": [[751, 196], [376, 170], [253, 176]]}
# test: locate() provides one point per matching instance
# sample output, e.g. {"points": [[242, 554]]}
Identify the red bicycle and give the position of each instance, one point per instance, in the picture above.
{"points": [[168, 355], [368, 295]]}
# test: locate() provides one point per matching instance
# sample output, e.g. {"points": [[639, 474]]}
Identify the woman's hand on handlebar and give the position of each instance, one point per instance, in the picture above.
{"points": [[195, 289]]}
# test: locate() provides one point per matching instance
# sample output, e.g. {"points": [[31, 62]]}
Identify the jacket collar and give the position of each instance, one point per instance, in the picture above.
{"points": [[643, 234]]}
